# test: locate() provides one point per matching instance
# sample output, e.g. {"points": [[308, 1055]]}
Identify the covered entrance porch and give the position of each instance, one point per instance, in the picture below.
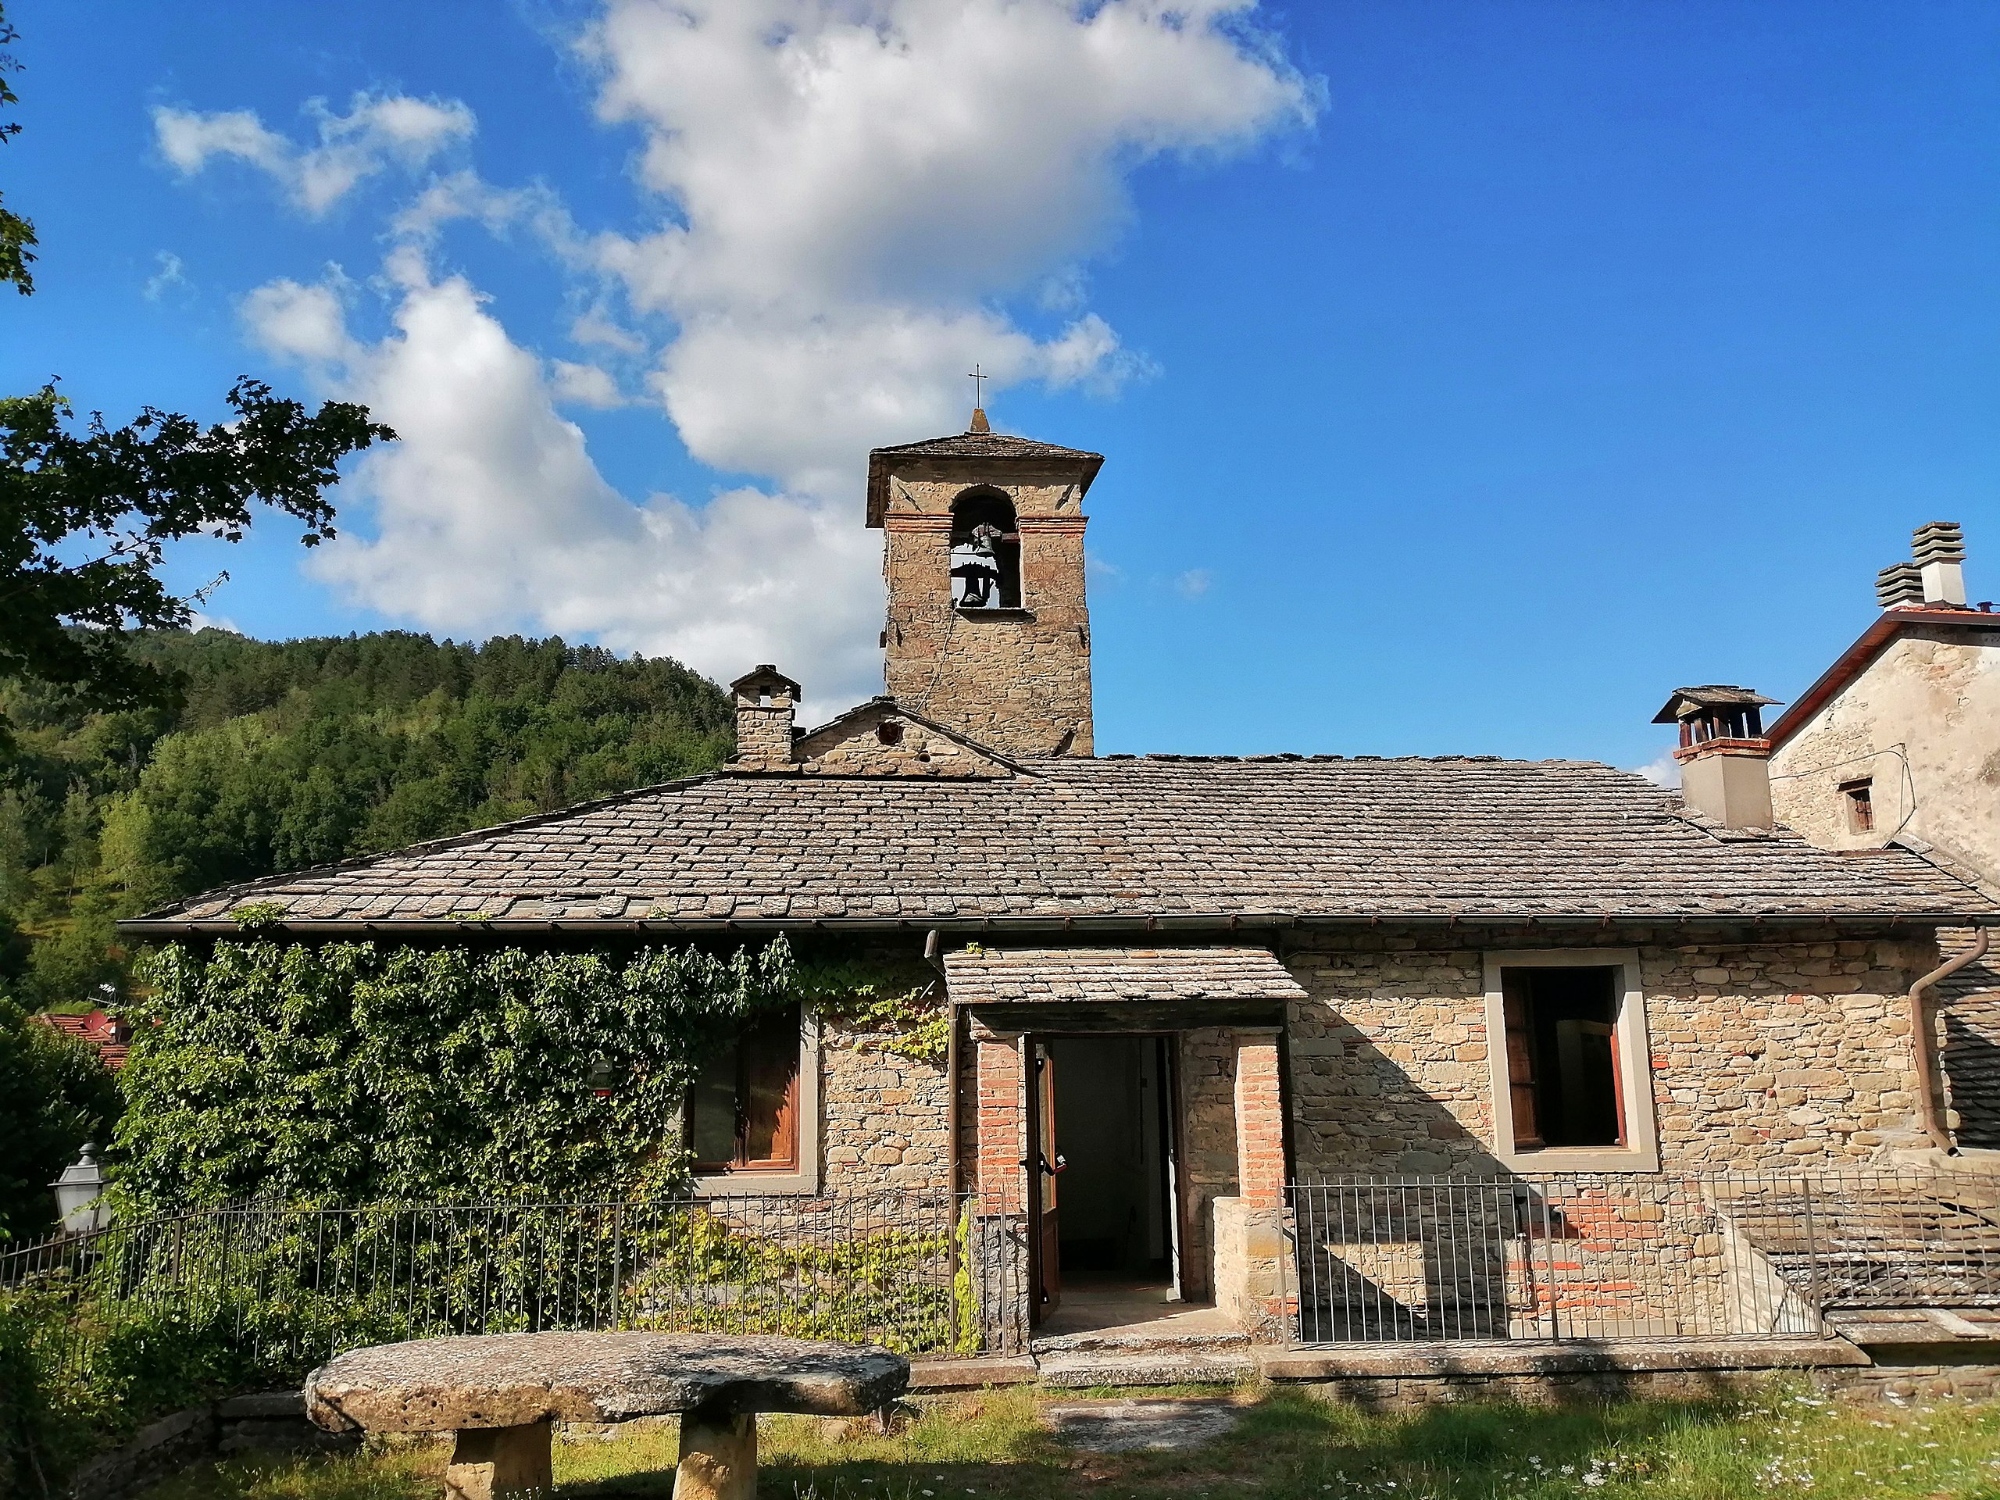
{"points": [[1128, 1128]]}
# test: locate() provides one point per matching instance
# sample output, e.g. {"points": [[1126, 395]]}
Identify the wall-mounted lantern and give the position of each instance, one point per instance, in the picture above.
{"points": [[602, 1078], [80, 1194]]}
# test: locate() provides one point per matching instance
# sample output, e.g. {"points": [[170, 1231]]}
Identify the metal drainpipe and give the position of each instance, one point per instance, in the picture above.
{"points": [[950, 1073], [950, 1121], [1923, 1044]]}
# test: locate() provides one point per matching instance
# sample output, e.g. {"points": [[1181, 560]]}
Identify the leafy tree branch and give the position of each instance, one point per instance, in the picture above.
{"points": [[118, 496]]}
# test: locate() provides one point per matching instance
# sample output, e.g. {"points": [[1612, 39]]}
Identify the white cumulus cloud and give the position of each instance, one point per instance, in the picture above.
{"points": [[1663, 770], [851, 183], [853, 201], [376, 131], [584, 385], [489, 513]]}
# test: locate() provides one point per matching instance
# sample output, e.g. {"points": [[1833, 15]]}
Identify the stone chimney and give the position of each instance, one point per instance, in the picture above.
{"points": [[1724, 758], [1939, 550], [765, 702], [1899, 584], [1935, 575]]}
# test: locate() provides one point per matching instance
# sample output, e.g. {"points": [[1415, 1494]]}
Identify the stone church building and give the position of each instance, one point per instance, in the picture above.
{"points": [[1179, 983]]}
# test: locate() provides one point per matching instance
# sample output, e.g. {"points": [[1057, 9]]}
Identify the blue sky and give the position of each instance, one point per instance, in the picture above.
{"points": [[1470, 375]]}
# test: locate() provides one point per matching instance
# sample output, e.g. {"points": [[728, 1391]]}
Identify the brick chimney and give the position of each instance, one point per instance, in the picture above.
{"points": [[1724, 758], [765, 702]]}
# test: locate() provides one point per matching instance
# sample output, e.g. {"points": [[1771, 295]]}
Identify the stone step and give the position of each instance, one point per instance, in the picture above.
{"points": [[1079, 1370], [1132, 1342]]}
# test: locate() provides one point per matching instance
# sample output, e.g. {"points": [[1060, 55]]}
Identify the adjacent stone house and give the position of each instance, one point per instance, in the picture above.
{"points": [[1899, 741], [1179, 982]]}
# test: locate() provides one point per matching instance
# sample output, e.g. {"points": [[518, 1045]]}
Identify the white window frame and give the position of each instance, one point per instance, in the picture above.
{"points": [[806, 1179], [1641, 1151]]}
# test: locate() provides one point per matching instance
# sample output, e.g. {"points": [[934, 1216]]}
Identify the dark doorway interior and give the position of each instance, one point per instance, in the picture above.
{"points": [[1113, 1131]]}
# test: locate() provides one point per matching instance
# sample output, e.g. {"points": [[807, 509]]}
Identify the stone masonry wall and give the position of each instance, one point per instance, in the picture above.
{"points": [[883, 1117], [1763, 1054], [1208, 1144], [1918, 724], [1017, 680]]}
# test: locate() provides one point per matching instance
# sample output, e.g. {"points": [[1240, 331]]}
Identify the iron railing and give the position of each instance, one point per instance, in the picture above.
{"points": [[1575, 1257], [1374, 1259], [289, 1287]]}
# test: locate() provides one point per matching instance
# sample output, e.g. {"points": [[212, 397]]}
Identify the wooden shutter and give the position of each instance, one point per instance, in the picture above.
{"points": [[1517, 1004], [768, 1094]]}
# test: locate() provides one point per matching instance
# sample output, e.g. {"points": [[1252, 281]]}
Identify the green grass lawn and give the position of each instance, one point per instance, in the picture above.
{"points": [[992, 1446]]}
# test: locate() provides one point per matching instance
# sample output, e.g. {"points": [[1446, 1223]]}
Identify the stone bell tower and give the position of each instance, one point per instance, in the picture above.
{"points": [[988, 632]]}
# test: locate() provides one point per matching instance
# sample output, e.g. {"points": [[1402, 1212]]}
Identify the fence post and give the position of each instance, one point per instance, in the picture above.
{"points": [[617, 1263], [1812, 1252], [1549, 1254]]}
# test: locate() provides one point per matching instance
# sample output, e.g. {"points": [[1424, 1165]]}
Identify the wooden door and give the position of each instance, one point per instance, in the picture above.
{"points": [[1045, 1163], [1523, 1075]]}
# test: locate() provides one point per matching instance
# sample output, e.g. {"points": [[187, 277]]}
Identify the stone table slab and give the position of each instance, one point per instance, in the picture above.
{"points": [[510, 1379], [500, 1393]]}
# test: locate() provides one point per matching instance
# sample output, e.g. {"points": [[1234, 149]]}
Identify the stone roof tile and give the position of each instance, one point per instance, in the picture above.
{"points": [[1013, 976], [1129, 839]]}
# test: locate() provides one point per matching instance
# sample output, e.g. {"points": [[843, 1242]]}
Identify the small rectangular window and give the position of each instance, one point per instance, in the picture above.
{"points": [[1565, 1085], [743, 1110], [1859, 799]]}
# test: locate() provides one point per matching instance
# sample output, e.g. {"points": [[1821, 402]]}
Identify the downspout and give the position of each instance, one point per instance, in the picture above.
{"points": [[1924, 1044], [950, 1127], [950, 1077]]}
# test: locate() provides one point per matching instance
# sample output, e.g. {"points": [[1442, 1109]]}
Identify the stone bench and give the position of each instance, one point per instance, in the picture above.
{"points": [[500, 1392]]}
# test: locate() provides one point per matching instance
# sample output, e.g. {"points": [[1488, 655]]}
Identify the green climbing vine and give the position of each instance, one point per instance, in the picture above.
{"points": [[893, 1005], [352, 1073]]}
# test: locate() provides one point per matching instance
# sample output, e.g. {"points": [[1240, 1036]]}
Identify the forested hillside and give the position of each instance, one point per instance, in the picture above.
{"points": [[293, 753]]}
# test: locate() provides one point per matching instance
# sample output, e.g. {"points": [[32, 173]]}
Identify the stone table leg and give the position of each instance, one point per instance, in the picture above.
{"points": [[718, 1457], [489, 1462]]}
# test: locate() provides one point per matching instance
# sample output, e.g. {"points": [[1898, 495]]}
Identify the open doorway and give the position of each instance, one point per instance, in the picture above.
{"points": [[1105, 1140]]}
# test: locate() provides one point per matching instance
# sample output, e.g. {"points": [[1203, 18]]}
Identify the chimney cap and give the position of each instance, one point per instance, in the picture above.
{"points": [[1689, 701], [762, 679], [1938, 541], [1899, 583]]}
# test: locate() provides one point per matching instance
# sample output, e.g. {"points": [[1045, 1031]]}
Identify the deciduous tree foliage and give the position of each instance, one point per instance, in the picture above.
{"points": [[288, 754], [85, 519], [16, 233], [351, 1073]]}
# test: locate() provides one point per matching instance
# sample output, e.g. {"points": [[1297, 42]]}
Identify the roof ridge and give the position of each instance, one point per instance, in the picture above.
{"points": [[1176, 757]]}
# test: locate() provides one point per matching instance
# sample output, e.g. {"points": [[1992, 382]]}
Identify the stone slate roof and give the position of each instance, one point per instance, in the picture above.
{"points": [[1036, 976], [987, 445], [1117, 840], [973, 450]]}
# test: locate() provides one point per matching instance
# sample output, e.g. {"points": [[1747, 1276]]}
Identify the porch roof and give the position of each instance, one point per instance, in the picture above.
{"points": [[980, 976]]}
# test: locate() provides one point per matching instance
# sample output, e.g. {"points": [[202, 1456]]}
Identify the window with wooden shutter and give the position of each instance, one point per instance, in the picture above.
{"points": [[1519, 1010], [743, 1109], [1564, 1076]]}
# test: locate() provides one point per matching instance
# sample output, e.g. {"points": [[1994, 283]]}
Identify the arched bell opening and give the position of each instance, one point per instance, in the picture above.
{"points": [[985, 551]]}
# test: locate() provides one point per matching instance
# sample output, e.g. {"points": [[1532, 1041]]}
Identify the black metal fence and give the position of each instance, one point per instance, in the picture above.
{"points": [[287, 1287], [1670, 1256], [1374, 1259]]}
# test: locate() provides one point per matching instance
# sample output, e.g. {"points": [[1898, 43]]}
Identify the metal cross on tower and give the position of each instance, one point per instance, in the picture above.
{"points": [[978, 387]]}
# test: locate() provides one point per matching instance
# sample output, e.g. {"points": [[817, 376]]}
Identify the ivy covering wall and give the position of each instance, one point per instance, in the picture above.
{"points": [[355, 1073]]}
